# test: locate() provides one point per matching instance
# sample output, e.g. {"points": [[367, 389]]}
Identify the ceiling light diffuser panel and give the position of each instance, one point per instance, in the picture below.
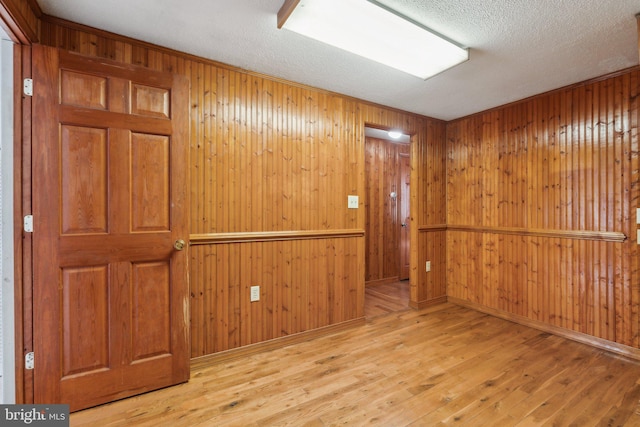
{"points": [[371, 30]]}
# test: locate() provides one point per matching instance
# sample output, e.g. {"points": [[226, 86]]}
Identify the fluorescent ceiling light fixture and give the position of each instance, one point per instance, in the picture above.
{"points": [[395, 134], [368, 29]]}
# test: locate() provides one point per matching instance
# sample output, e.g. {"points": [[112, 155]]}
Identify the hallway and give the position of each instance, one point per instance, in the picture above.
{"points": [[386, 298]]}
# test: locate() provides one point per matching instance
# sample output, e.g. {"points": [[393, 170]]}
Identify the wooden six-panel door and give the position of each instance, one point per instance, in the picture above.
{"points": [[109, 203]]}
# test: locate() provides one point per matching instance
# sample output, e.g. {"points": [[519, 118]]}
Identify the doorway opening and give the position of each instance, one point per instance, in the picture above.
{"points": [[387, 221]]}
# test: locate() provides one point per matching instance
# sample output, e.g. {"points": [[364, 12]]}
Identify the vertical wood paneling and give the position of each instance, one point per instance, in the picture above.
{"points": [[270, 156], [564, 161], [305, 293], [429, 184], [629, 295]]}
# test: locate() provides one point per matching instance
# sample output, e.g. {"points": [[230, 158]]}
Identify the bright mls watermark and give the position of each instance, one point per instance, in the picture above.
{"points": [[34, 415]]}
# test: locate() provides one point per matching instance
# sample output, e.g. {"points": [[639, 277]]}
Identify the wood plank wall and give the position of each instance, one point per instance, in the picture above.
{"points": [[527, 219], [271, 166], [382, 221], [541, 195], [432, 219]]}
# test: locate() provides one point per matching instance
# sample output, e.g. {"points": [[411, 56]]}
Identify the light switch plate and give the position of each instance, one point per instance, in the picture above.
{"points": [[352, 202], [255, 293], [637, 215]]}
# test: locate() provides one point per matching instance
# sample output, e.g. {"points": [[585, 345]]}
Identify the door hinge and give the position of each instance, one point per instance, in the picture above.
{"points": [[29, 360], [28, 223], [27, 87]]}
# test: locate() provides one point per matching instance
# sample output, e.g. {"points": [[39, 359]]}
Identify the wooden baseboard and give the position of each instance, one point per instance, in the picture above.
{"points": [[251, 349], [419, 305], [619, 349]]}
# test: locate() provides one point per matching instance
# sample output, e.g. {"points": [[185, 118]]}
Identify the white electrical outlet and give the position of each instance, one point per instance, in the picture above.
{"points": [[428, 266], [255, 293], [637, 215], [352, 202]]}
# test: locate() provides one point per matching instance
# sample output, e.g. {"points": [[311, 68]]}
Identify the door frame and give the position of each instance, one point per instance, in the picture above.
{"points": [[22, 35], [413, 235], [7, 322]]}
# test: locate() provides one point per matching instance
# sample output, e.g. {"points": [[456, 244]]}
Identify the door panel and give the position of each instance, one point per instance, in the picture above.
{"points": [[150, 181], [85, 323], [109, 200], [83, 185], [83, 90], [151, 307]]}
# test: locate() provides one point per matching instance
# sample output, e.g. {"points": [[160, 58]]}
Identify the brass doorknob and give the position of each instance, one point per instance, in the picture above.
{"points": [[179, 244]]}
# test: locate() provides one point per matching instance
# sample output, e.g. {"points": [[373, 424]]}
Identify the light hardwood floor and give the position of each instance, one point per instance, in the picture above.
{"points": [[387, 298], [442, 365]]}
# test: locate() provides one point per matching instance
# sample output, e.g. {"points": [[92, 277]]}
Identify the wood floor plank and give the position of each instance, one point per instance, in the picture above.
{"points": [[386, 298], [442, 365]]}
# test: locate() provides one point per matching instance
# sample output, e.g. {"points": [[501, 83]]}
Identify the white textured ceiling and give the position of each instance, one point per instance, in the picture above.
{"points": [[518, 48]]}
